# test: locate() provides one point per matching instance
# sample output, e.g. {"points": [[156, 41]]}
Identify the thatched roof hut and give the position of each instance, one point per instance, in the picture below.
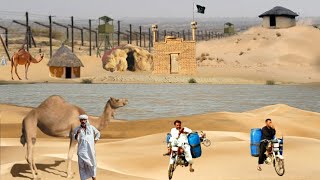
{"points": [[64, 64], [279, 11], [279, 17], [64, 57]]}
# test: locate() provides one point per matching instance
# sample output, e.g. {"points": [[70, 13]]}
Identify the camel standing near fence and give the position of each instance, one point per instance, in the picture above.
{"points": [[56, 117], [23, 57]]}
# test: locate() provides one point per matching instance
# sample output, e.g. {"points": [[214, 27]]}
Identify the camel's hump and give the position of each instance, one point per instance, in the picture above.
{"points": [[54, 99]]}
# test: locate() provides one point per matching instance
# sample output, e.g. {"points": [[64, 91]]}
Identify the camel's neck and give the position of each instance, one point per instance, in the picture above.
{"points": [[102, 121], [34, 60]]}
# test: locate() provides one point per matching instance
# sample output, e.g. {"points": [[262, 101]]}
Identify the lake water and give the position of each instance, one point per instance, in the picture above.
{"points": [[165, 100]]}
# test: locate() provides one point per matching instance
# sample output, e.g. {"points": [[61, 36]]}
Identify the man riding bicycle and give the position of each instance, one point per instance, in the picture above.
{"points": [[268, 132], [179, 137]]}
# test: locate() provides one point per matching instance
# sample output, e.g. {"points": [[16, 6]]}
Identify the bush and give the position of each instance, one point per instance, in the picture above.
{"points": [[270, 82], [207, 54], [203, 54], [219, 60], [254, 38], [278, 34], [192, 80], [203, 58], [241, 53], [86, 81]]}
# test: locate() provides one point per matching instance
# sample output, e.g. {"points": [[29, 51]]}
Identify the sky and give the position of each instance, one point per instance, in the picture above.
{"points": [[120, 9]]}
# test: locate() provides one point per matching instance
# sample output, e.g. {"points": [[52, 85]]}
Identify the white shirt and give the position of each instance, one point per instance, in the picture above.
{"points": [[86, 145], [183, 137]]}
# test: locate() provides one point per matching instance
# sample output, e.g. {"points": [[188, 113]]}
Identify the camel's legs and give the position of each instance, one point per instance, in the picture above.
{"points": [[26, 70], [72, 146], [16, 70], [29, 159], [12, 62], [30, 127], [34, 164]]}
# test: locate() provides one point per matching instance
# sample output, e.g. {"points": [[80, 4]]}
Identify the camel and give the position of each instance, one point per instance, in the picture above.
{"points": [[58, 118], [23, 57]]}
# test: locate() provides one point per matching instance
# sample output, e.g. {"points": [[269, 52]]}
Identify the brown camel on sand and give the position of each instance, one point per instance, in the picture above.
{"points": [[56, 117], [23, 57]]}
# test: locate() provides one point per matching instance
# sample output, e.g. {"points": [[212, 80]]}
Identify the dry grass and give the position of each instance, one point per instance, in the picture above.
{"points": [[270, 82], [192, 80], [220, 60], [278, 34], [86, 81]]}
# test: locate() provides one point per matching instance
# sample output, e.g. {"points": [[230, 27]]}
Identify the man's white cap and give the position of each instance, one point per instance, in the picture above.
{"points": [[83, 116]]}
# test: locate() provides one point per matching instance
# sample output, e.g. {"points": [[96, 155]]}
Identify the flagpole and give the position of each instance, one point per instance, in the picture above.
{"points": [[193, 12]]}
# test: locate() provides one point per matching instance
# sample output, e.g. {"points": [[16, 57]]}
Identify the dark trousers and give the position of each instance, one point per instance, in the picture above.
{"points": [[262, 156]]}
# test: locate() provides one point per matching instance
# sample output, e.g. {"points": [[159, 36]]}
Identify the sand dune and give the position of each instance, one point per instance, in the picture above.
{"points": [[288, 55], [288, 120], [227, 158], [133, 150]]}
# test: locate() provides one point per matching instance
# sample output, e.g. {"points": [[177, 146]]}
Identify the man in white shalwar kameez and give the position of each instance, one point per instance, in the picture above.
{"points": [[179, 137], [86, 135]]}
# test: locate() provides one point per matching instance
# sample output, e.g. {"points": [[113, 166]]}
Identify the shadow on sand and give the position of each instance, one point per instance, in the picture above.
{"points": [[19, 170]]}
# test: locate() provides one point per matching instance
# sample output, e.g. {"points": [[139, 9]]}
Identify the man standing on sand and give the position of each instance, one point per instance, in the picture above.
{"points": [[268, 132], [179, 137], [86, 135]]}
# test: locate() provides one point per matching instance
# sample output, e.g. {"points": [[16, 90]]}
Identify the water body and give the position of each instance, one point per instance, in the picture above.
{"points": [[165, 100]]}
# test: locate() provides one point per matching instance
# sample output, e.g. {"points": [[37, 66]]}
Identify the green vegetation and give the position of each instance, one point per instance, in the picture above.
{"points": [[192, 80], [270, 82], [86, 81]]}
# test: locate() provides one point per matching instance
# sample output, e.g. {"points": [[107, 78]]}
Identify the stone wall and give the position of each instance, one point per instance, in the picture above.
{"points": [[186, 56]]}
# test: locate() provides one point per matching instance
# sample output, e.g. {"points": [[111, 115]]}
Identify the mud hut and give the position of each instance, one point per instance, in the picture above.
{"points": [[127, 58], [64, 64], [279, 17]]}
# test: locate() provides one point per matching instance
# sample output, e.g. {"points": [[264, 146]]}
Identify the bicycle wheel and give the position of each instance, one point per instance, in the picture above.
{"points": [[206, 142], [279, 166]]}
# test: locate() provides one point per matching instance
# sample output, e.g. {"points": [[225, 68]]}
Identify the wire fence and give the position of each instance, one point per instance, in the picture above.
{"points": [[46, 33]]}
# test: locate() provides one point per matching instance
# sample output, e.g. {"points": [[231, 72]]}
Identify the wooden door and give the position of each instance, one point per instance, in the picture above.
{"points": [[174, 64]]}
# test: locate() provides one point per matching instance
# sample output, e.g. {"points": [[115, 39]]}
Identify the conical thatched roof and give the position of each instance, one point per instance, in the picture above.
{"points": [[64, 57], [279, 11]]}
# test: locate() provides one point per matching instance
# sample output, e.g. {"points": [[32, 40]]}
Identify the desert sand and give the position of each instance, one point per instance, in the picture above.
{"points": [[133, 150], [284, 56]]}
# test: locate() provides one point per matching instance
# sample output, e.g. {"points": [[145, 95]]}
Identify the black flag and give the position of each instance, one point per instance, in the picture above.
{"points": [[201, 9]]}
